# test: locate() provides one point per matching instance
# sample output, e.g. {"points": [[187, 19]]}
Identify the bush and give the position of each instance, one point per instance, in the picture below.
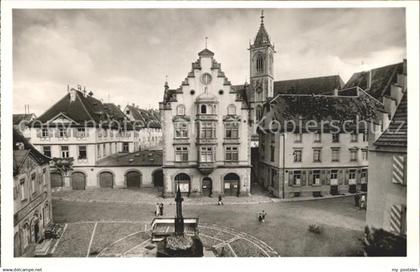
{"points": [[315, 229], [379, 242]]}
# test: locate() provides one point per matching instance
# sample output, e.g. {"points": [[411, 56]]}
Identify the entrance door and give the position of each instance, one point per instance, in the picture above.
{"points": [[184, 182], [334, 190], [231, 185], [206, 187], [364, 187], [78, 181], [133, 180], [56, 180], [106, 180]]}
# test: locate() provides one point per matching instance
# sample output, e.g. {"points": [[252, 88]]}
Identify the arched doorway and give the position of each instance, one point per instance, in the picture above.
{"points": [[56, 180], [184, 182], [157, 177], [106, 180], [16, 245], [35, 235], [133, 179], [78, 181], [26, 234], [207, 186], [231, 184]]}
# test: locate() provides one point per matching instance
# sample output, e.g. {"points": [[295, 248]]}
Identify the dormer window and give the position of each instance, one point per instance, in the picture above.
{"points": [[180, 110]]}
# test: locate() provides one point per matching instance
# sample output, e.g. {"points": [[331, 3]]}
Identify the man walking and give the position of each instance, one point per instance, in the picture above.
{"points": [[161, 209], [157, 210]]}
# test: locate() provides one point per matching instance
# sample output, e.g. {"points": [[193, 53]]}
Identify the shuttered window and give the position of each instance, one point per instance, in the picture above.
{"points": [[399, 169], [398, 219]]}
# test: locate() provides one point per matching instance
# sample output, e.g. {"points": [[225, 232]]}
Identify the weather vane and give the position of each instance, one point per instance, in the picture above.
{"points": [[262, 16]]}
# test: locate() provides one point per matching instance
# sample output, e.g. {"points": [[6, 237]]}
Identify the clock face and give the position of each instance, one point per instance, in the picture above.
{"points": [[206, 79]]}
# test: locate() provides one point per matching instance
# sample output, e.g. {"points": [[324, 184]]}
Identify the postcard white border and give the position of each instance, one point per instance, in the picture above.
{"points": [[209, 264]]}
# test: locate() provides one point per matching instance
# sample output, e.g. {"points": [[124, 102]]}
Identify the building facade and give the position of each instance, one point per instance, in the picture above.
{"points": [[206, 134], [387, 194], [147, 124], [298, 158], [90, 133], [31, 196]]}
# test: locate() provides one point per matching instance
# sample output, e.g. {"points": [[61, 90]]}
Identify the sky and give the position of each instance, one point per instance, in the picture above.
{"points": [[124, 56]]}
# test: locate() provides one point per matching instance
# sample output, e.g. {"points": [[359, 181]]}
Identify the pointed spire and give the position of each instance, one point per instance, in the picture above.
{"points": [[166, 82], [262, 37]]}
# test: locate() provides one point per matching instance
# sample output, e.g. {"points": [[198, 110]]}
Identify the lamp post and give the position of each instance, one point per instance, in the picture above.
{"points": [[283, 162]]}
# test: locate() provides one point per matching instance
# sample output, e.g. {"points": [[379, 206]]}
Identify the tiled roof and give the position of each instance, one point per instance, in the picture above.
{"points": [[262, 37], [19, 155], [381, 80], [206, 53], [313, 85], [306, 108], [139, 158], [17, 118], [150, 118], [396, 134], [83, 108]]}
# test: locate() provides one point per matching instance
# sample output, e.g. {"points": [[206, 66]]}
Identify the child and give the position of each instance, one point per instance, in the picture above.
{"points": [[220, 202]]}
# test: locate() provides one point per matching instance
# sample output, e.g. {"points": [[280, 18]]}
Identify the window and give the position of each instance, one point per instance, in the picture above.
{"points": [[259, 113], [203, 109], [272, 150], [206, 154], [352, 176], [317, 155], [125, 147], [231, 130], [298, 137], [62, 132], [365, 154], [273, 177], [398, 218], [65, 151], [262, 149], [47, 151], [297, 156], [180, 110], [231, 153], [335, 154], [399, 169], [260, 63], [181, 130], [365, 136], [316, 177], [335, 137], [104, 149], [317, 137], [99, 150], [81, 132], [354, 137], [181, 154], [82, 152], [363, 176], [231, 110], [22, 189], [297, 178], [353, 155], [334, 174], [45, 132], [33, 182], [208, 130]]}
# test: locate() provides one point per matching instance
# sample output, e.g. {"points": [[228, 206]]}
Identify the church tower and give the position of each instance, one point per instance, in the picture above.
{"points": [[261, 70]]}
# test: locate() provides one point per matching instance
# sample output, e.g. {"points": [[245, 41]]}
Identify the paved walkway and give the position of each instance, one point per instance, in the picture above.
{"points": [[152, 196], [132, 239]]}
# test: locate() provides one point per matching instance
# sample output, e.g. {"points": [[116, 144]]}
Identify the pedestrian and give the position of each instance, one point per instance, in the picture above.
{"points": [[356, 200], [259, 217], [157, 210], [263, 214], [362, 202], [161, 209], [220, 202]]}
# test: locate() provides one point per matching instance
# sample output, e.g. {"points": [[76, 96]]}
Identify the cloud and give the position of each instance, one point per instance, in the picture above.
{"points": [[125, 54]]}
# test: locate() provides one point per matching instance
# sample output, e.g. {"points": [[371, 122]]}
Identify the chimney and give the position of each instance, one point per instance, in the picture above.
{"points": [[72, 93], [369, 80]]}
